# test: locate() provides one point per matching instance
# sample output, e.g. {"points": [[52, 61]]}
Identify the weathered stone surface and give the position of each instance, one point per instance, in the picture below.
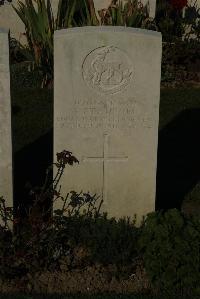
{"points": [[106, 110], [5, 122]]}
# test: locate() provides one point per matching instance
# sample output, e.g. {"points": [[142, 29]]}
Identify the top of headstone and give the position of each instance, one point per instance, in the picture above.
{"points": [[107, 29], [3, 30]]}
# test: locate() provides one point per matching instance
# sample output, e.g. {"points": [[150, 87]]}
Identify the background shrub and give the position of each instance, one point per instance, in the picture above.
{"points": [[109, 241], [170, 244], [181, 61]]}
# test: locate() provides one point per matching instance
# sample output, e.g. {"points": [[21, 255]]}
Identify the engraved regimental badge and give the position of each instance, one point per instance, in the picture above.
{"points": [[108, 70]]}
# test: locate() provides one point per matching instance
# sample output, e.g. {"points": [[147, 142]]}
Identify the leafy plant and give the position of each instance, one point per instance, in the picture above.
{"points": [[169, 21], [15, 47], [65, 13], [178, 4], [170, 245], [192, 19], [74, 13], [37, 241], [39, 27], [130, 14], [45, 241], [109, 241]]}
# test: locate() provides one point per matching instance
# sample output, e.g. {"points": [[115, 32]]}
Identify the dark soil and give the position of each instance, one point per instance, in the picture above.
{"points": [[89, 280]]}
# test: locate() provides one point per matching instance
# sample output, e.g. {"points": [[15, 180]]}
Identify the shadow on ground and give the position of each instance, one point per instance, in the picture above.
{"points": [[178, 168], [30, 165]]}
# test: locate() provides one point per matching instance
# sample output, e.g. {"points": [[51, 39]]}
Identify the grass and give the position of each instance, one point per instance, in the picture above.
{"points": [[174, 101]]}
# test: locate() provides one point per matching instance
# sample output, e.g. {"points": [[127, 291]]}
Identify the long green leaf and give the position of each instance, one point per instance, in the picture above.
{"points": [[68, 22], [88, 16]]}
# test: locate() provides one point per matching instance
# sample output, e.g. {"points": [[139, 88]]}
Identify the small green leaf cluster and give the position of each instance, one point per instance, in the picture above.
{"points": [[40, 247], [170, 246], [108, 240]]}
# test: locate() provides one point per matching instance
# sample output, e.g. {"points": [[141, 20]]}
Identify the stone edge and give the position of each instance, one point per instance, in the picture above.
{"points": [[88, 29]]}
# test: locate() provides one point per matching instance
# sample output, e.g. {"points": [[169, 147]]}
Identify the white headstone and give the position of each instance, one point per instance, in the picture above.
{"points": [[5, 122], [106, 110]]}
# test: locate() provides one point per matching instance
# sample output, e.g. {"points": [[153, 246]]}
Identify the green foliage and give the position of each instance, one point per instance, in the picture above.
{"points": [[169, 21], [6, 249], [41, 241], [15, 48], [75, 13], [108, 241], [170, 244], [192, 18], [65, 14], [39, 27], [32, 244]]}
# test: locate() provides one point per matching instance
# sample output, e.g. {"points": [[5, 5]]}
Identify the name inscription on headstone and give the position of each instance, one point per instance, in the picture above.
{"points": [[98, 113]]}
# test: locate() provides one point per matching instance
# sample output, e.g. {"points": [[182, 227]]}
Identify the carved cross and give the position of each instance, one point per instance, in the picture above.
{"points": [[105, 158]]}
